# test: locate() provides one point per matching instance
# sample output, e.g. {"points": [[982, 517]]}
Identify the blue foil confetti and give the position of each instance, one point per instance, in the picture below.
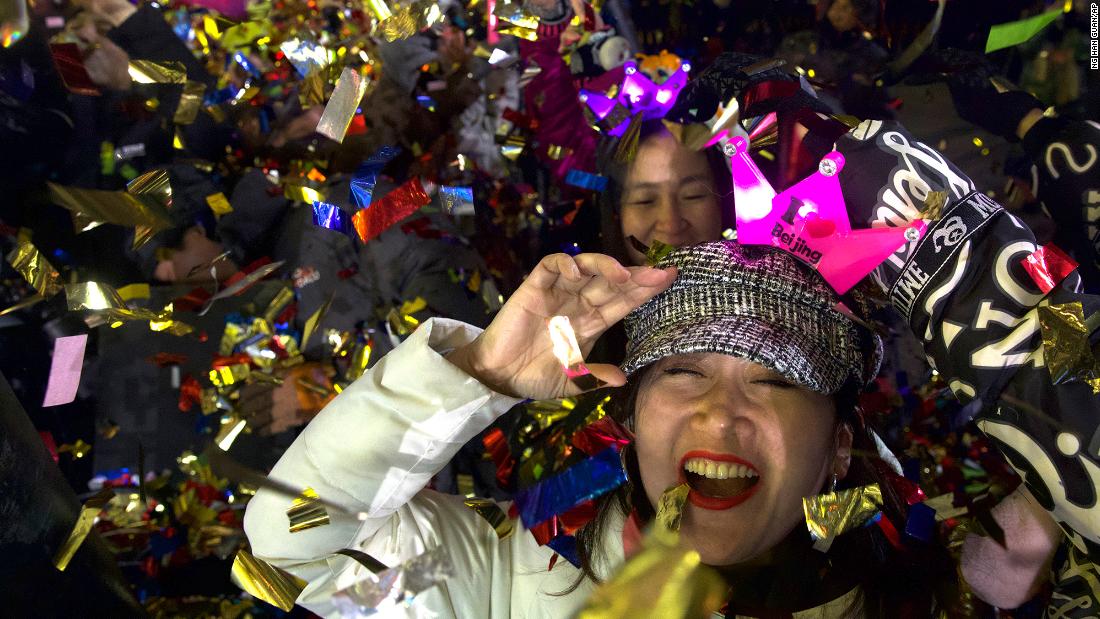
{"points": [[584, 180], [921, 522], [454, 197], [566, 546], [240, 59], [366, 175], [583, 481], [332, 217]]}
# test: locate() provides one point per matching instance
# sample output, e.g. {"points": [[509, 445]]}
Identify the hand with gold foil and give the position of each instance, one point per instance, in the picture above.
{"points": [[515, 354]]}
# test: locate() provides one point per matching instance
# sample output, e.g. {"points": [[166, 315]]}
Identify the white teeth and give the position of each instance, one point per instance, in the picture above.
{"points": [[717, 470]]}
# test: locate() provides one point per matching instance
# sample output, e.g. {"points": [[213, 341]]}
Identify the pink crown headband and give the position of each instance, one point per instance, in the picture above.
{"points": [[638, 94], [810, 220]]}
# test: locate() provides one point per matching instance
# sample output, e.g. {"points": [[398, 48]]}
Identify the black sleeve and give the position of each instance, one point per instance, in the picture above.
{"points": [[1065, 154], [966, 296]]}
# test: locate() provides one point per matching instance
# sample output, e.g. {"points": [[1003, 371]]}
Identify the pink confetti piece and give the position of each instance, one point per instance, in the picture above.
{"points": [[68, 360]]}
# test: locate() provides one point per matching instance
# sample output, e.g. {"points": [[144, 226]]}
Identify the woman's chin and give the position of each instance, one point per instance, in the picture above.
{"points": [[716, 550]]}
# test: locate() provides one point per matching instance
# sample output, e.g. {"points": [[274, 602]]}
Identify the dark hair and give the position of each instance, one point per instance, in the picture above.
{"points": [[892, 582], [609, 201]]}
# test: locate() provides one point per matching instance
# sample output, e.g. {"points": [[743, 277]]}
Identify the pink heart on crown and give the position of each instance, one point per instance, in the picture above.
{"points": [[817, 227]]}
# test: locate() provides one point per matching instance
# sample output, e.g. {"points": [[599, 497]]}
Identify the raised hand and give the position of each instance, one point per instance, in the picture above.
{"points": [[515, 354]]}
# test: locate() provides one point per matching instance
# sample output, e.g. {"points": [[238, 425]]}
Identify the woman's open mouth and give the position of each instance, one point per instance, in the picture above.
{"points": [[718, 481]]}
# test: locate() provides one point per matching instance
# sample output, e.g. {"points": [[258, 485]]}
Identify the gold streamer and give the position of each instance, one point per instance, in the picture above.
{"points": [[83, 526], [933, 206], [92, 207], [627, 148], [1066, 348], [306, 512], [493, 514], [33, 266], [314, 320], [832, 514], [265, 581], [190, 102], [670, 508], [154, 72], [219, 204], [662, 581]]}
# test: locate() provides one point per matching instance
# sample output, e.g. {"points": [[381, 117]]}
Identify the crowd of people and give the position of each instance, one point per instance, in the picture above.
{"points": [[549, 308]]}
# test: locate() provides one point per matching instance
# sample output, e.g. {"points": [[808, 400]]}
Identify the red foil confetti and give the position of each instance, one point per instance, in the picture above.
{"points": [[1048, 266], [395, 206], [190, 393], [69, 61]]}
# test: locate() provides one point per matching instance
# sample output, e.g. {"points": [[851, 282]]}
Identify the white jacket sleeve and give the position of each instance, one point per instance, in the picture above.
{"points": [[373, 449]]}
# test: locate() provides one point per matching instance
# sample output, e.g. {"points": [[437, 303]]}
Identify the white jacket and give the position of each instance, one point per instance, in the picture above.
{"points": [[373, 449]]}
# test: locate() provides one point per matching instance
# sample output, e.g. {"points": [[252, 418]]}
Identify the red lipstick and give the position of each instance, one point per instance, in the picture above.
{"points": [[716, 503]]}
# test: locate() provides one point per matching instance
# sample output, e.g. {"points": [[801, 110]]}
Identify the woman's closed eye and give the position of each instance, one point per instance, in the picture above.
{"points": [[780, 383], [677, 370]]}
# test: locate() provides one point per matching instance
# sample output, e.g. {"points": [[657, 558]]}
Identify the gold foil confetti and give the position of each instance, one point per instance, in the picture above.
{"points": [[130, 292], [306, 512], [154, 72], [92, 296], [360, 359], [79, 449], [276, 306], [33, 266], [92, 207], [219, 204], [1066, 348], [670, 508], [663, 580], [557, 153], [25, 303], [82, 527], [341, 106], [227, 375], [832, 514], [265, 581], [228, 432], [243, 34], [302, 193], [627, 147], [493, 514], [933, 206], [315, 319], [311, 91]]}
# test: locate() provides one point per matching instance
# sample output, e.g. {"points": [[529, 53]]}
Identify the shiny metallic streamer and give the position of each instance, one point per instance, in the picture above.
{"points": [[832, 514], [35, 268], [265, 581], [306, 512], [493, 514], [366, 175], [81, 528], [341, 106], [585, 480], [397, 585]]}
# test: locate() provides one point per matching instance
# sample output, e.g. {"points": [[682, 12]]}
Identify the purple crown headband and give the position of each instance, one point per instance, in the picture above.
{"points": [[637, 94]]}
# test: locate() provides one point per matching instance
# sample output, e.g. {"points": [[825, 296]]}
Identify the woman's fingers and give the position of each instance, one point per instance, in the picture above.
{"points": [[552, 268]]}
